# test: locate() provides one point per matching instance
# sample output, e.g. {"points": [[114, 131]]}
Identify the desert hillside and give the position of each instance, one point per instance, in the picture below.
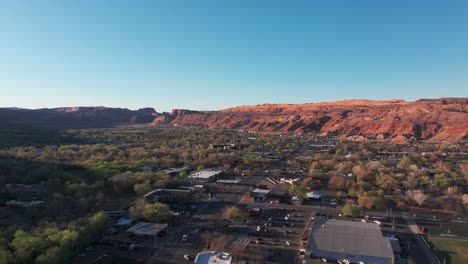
{"points": [[443, 119]]}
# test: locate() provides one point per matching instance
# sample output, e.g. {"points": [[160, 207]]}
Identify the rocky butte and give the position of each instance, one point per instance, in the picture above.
{"points": [[444, 119], [437, 120]]}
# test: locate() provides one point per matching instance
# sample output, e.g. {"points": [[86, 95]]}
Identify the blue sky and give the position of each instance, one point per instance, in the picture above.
{"points": [[216, 54]]}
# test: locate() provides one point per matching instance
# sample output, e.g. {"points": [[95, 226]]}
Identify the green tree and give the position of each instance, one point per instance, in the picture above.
{"points": [[157, 212], [54, 255], [26, 246], [350, 210], [142, 188], [404, 163], [6, 257], [297, 190], [98, 223]]}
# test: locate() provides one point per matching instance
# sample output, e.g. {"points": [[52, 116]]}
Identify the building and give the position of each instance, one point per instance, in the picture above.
{"points": [[213, 257], [24, 204], [314, 195], [338, 240], [204, 176], [168, 195], [177, 171], [296, 200], [260, 194], [146, 229], [276, 188]]}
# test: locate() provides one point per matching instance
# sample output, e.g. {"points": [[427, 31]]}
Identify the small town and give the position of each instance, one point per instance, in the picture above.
{"points": [[233, 132], [296, 201]]}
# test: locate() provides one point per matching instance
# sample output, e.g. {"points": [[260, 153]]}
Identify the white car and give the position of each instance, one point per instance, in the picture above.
{"points": [[378, 222], [184, 238]]}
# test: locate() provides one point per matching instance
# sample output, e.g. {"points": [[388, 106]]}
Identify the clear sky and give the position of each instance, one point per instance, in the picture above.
{"points": [[214, 54]]}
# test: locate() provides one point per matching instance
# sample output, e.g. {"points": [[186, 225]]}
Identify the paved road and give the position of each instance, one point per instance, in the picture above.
{"points": [[417, 246]]}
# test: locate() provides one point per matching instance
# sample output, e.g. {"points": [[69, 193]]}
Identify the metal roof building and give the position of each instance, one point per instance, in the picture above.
{"points": [[354, 241]]}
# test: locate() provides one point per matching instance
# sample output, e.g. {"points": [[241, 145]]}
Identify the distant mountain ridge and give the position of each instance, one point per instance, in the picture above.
{"points": [[444, 119], [74, 117]]}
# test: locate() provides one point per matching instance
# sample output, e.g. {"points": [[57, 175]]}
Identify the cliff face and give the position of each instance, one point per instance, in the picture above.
{"points": [[443, 119], [436, 120]]}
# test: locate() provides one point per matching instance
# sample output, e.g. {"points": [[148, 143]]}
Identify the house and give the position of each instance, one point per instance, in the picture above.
{"points": [[296, 200], [213, 257], [276, 188], [204, 176], [260, 195], [356, 242], [168, 195], [314, 195]]}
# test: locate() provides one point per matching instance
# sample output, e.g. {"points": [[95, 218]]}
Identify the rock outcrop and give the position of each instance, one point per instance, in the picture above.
{"points": [[443, 119]]}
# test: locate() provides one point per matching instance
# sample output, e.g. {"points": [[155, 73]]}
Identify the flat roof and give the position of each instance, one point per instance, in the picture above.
{"points": [[145, 228], [263, 191], [213, 257], [166, 190], [204, 174], [351, 240], [123, 222], [228, 181]]}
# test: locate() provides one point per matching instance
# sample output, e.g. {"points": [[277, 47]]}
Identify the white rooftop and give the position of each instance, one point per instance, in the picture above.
{"points": [[264, 191], [314, 195], [204, 174], [213, 257]]}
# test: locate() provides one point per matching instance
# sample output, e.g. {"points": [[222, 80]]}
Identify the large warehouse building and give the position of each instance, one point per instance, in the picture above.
{"points": [[357, 242]]}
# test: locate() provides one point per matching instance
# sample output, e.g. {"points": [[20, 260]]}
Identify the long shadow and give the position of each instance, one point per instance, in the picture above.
{"points": [[37, 137]]}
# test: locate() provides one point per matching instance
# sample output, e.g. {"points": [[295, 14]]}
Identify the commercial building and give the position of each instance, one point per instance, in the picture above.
{"points": [[213, 257], [204, 176], [356, 242]]}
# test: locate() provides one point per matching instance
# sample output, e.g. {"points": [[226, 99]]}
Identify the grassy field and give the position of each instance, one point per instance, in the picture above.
{"points": [[452, 250]]}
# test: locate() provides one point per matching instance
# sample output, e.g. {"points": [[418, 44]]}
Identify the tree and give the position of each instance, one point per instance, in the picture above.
{"points": [[417, 196], [98, 223], [200, 167], [404, 163], [350, 210], [337, 183], [54, 255], [232, 212], [297, 190], [6, 257], [366, 202], [26, 246], [157, 212]]}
